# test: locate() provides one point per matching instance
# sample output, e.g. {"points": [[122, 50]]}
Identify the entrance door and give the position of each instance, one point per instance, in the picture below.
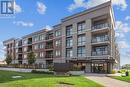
{"points": [[99, 68]]}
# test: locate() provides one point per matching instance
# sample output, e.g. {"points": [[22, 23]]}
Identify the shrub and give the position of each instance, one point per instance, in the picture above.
{"points": [[41, 72], [113, 71], [76, 68], [119, 71], [51, 67]]}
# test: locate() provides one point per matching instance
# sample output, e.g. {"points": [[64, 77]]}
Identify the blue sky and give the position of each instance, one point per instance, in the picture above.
{"points": [[33, 15]]}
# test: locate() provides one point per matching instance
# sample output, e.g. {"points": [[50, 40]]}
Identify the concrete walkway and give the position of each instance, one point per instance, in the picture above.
{"points": [[106, 81]]}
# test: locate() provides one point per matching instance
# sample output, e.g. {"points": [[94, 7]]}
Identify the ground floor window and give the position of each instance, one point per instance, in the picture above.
{"points": [[100, 67]]}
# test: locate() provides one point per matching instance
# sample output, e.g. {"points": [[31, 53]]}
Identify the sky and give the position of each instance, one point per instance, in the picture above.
{"points": [[34, 15]]}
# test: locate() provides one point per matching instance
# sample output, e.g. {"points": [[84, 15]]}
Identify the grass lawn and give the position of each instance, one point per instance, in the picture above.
{"points": [[127, 78], [42, 80]]}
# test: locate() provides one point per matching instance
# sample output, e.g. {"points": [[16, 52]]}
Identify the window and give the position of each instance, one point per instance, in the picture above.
{"points": [[69, 30], [57, 33], [16, 50], [16, 44], [69, 52], [58, 52], [69, 42], [41, 37], [41, 54], [81, 52], [25, 48], [35, 38], [25, 42], [41, 46], [81, 40], [103, 48], [36, 46], [81, 27], [25, 56], [58, 42]]}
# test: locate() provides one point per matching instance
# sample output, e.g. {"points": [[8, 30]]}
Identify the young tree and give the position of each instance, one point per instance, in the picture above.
{"points": [[126, 66], [8, 59], [31, 58]]}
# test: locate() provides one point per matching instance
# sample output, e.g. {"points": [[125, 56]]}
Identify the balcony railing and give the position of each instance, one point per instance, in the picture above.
{"points": [[49, 37], [20, 44], [49, 56], [95, 40], [29, 42], [100, 53], [19, 51], [100, 26], [49, 47]]}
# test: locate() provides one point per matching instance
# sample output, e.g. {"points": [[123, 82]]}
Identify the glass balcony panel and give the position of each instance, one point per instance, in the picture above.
{"points": [[99, 53], [100, 26]]}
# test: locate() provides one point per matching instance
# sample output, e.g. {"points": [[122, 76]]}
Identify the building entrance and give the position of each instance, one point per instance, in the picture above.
{"points": [[99, 68]]}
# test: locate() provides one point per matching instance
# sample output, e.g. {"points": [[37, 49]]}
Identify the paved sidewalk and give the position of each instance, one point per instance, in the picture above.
{"points": [[106, 81]]}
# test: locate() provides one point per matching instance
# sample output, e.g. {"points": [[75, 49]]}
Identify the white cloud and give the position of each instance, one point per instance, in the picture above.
{"points": [[17, 8], [127, 18], [123, 44], [24, 24], [77, 4], [48, 27], [119, 35], [120, 3], [41, 8], [91, 3], [121, 29]]}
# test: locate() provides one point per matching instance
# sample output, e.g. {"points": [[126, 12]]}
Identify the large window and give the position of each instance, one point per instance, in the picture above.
{"points": [[101, 48], [41, 37], [58, 43], [25, 49], [25, 56], [69, 30], [36, 46], [81, 52], [57, 33], [41, 46], [35, 38], [81, 27], [69, 42], [41, 54], [25, 41], [69, 52], [81, 40], [58, 53]]}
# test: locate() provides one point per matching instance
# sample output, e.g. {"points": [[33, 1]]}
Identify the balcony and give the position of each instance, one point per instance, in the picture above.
{"points": [[49, 36], [20, 43], [102, 26], [100, 53], [49, 56], [19, 51], [101, 39], [29, 42], [49, 47]]}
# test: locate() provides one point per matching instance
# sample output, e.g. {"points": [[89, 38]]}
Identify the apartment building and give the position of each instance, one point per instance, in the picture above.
{"points": [[85, 39]]}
